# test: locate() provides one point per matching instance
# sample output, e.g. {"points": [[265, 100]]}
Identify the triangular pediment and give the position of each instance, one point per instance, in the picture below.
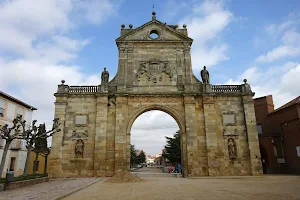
{"points": [[164, 32]]}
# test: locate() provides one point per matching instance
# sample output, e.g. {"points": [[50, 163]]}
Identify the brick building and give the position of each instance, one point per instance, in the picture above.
{"points": [[279, 135]]}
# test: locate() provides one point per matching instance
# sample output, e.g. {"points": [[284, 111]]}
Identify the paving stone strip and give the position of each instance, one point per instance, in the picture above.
{"points": [[53, 190]]}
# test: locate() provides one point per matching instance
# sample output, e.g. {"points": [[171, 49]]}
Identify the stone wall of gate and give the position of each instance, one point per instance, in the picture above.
{"points": [[217, 122], [207, 123]]}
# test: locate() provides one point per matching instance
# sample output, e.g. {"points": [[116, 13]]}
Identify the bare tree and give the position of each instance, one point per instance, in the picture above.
{"points": [[31, 136], [35, 134], [9, 134], [40, 148]]}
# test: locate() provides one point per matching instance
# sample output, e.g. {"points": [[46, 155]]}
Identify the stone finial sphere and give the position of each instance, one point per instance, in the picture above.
{"points": [[245, 80], [184, 25], [130, 26], [123, 25], [63, 81], [153, 13]]}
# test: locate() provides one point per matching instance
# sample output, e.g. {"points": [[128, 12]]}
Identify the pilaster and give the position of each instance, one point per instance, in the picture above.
{"points": [[252, 135], [191, 134], [211, 135], [121, 137], [100, 136], [122, 66], [55, 158], [187, 65]]}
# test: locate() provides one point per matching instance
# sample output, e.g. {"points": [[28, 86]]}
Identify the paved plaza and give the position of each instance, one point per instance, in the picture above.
{"points": [[268, 187], [165, 188], [51, 190]]}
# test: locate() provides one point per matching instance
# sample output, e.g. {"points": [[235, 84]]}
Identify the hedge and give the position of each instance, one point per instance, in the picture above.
{"points": [[22, 178]]}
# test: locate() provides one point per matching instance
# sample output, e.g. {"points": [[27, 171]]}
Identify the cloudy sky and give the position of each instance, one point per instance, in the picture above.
{"points": [[42, 42]]}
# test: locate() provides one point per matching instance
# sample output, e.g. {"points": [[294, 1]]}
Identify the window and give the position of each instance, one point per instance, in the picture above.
{"points": [[298, 151], [11, 110], [13, 144], [36, 165], [22, 145], [259, 129], [154, 34], [1, 143], [20, 111], [275, 151], [12, 164], [2, 107]]}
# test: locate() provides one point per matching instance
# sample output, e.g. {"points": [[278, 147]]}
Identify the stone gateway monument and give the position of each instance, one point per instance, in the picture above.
{"points": [[217, 122]]}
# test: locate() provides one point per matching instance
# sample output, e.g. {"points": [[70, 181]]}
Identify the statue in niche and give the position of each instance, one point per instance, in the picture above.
{"points": [[205, 75], [79, 147], [104, 77], [231, 148]]}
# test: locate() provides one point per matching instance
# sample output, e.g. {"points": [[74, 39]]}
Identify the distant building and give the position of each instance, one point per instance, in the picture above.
{"points": [[150, 159], [10, 108], [279, 135], [158, 155]]}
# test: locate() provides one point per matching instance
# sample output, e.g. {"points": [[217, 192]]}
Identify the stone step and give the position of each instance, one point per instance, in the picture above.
{"points": [[148, 174]]}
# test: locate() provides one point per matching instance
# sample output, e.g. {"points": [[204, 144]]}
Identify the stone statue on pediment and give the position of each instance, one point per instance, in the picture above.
{"points": [[104, 77], [205, 75]]}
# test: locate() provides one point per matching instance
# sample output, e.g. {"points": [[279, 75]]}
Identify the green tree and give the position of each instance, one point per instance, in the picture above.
{"points": [[132, 155], [34, 134], [141, 158], [40, 147], [173, 150]]}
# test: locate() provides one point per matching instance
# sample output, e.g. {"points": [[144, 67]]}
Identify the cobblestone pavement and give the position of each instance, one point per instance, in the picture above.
{"points": [[164, 188], [150, 170], [49, 191]]}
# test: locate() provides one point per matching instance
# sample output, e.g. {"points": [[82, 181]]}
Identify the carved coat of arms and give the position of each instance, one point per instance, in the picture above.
{"points": [[154, 71]]}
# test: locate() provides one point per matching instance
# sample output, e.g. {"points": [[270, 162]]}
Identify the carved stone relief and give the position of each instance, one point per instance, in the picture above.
{"points": [[80, 135], [227, 132], [154, 71]]}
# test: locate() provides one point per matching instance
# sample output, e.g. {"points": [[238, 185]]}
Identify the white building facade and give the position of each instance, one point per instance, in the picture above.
{"points": [[10, 108]]}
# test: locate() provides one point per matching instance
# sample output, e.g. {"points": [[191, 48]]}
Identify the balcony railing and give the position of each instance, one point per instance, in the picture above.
{"points": [[207, 88], [226, 88], [83, 89]]}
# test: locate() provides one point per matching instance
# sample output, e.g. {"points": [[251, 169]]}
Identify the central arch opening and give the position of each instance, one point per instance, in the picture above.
{"points": [[155, 144]]}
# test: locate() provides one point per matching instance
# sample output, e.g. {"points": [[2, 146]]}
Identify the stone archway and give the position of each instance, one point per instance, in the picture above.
{"points": [[155, 74], [178, 117]]}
